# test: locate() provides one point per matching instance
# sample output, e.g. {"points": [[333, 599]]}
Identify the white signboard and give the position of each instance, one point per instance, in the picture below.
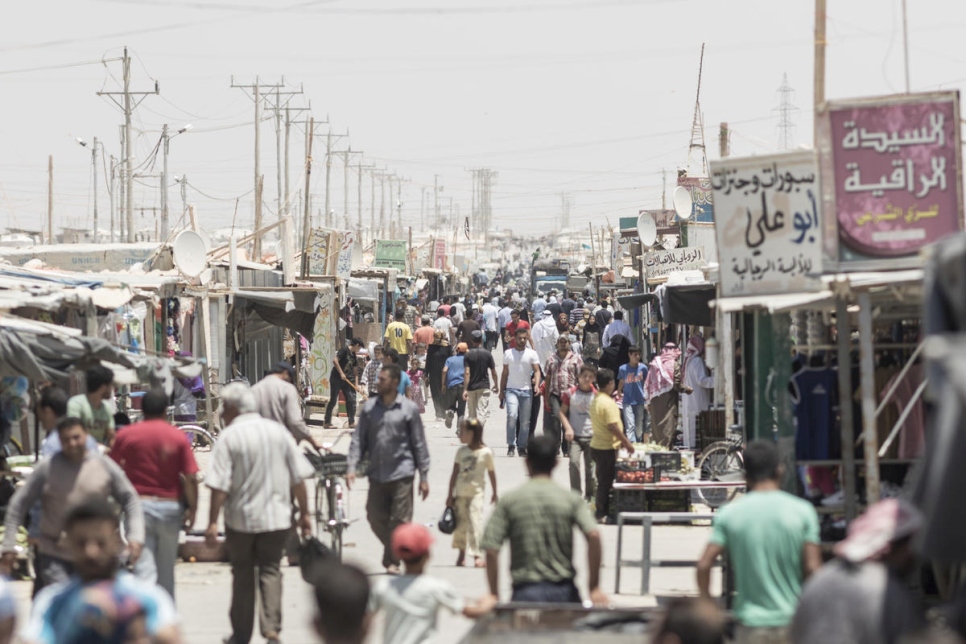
{"points": [[659, 264], [768, 222]]}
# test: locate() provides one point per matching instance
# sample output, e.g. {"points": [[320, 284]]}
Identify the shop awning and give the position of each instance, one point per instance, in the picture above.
{"points": [[631, 302], [689, 304], [772, 303]]}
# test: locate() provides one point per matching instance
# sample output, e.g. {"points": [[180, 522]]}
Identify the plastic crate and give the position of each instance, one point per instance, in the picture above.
{"points": [[668, 500], [666, 461]]}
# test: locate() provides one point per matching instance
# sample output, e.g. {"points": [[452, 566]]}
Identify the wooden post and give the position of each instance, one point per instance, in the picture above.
{"points": [[819, 55], [50, 199], [205, 324], [306, 225], [409, 254]]}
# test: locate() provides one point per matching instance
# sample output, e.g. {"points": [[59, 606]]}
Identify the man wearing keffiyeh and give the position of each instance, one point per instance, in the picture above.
{"points": [[662, 386]]}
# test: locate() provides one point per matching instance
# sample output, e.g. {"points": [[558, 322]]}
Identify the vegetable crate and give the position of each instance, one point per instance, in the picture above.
{"points": [[651, 501]]}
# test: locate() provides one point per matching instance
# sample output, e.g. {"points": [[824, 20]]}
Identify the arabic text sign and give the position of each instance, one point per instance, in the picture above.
{"points": [[321, 254], [439, 254], [768, 224], [391, 253], [661, 263], [347, 242], [702, 207], [895, 165]]}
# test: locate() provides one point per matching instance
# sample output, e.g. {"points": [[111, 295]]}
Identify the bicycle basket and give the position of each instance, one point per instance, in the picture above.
{"points": [[330, 464]]}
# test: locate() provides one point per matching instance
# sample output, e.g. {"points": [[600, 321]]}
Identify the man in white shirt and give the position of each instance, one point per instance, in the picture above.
{"points": [[256, 469], [544, 336], [617, 327], [445, 325], [538, 306], [457, 312], [491, 329], [521, 377]]}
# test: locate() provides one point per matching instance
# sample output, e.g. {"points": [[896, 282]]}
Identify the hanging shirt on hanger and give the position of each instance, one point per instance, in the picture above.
{"points": [[815, 395]]}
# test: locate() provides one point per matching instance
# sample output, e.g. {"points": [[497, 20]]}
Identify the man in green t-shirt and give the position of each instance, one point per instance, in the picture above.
{"points": [[538, 519], [93, 408], [772, 541]]}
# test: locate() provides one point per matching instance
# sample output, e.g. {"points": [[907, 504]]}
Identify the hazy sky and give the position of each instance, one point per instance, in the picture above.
{"points": [[589, 97]]}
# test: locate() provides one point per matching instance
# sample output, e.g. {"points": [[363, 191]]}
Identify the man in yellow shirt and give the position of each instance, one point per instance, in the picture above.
{"points": [[399, 336], [608, 437]]}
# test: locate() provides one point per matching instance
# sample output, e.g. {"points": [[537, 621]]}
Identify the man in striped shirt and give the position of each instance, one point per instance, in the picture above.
{"points": [[256, 469]]}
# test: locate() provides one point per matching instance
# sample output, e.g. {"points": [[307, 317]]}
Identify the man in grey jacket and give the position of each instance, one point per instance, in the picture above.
{"points": [[391, 434], [67, 479]]}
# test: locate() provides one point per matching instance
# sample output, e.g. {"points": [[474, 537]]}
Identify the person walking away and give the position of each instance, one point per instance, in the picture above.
{"points": [[608, 437], [436, 355], [578, 430], [425, 334], [521, 377], [454, 373], [277, 398], [405, 382], [701, 383], [415, 393], [631, 385], [772, 542], [466, 328], [661, 388], [568, 303], [863, 597], [590, 339], [370, 375], [413, 600], [491, 329], [71, 477], [399, 336], [156, 459], [543, 338], [476, 385], [444, 324], [100, 602], [504, 317], [391, 434], [457, 312], [616, 355], [617, 327], [538, 306], [342, 600], [560, 374], [577, 314], [467, 487], [256, 470], [538, 519], [342, 379], [93, 408]]}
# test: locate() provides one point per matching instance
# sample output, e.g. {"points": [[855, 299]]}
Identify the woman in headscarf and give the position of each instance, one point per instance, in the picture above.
{"points": [[696, 378], [436, 355], [661, 388], [616, 355]]}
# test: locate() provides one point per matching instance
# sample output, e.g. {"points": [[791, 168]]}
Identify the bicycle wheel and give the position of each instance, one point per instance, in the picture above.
{"points": [[327, 515], [201, 439], [721, 461]]}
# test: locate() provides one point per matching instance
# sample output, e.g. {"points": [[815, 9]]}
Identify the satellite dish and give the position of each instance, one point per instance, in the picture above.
{"points": [[683, 203], [647, 229], [190, 255], [206, 238]]}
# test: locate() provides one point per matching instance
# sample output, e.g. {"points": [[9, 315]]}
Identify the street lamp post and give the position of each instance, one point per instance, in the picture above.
{"points": [[165, 140], [94, 165]]}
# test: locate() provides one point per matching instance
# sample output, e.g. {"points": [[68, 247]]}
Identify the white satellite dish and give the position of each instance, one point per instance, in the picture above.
{"points": [[206, 238], [190, 254], [647, 229], [683, 203]]}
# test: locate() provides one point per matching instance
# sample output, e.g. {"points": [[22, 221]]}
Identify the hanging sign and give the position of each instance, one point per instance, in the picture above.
{"points": [[322, 252], [347, 243], [439, 254], [893, 172], [768, 223], [391, 253], [661, 263]]}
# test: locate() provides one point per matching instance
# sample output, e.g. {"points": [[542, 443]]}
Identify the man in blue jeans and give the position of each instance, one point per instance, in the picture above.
{"points": [[521, 377], [156, 456]]}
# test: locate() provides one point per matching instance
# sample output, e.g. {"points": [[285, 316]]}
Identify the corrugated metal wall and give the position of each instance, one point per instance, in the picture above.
{"points": [[257, 354]]}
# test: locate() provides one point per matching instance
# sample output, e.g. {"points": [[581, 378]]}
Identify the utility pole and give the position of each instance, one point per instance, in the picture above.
{"points": [[280, 201], [50, 199], [724, 141], [346, 154], [436, 189], [256, 89], [309, 135], [164, 185], [128, 105], [819, 89], [360, 168], [422, 208], [287, 201]]}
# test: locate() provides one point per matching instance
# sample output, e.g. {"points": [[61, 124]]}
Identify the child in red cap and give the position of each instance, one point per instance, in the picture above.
{"points": [[412, 600]]}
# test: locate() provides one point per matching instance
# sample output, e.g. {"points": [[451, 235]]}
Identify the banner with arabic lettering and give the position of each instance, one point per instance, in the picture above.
{"points": [[893, 172], [702, 200], [659, 264], [391, 253], [769, 225]]}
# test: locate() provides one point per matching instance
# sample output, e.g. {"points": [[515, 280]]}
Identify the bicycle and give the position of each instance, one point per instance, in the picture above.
{"points": [[201, 439], [722, 461], [331, 498]]}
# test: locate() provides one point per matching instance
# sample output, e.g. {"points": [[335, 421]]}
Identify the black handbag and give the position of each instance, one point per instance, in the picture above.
{"points": [[313, 558], [447, 523]]}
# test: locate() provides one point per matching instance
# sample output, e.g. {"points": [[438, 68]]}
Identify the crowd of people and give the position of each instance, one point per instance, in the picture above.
{"points": [[105, 505]]}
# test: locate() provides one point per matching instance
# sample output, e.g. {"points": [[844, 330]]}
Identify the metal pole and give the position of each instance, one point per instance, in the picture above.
{"points": [[110, 193], [257, 246], [288, 127], [328, 171], [50, 199], [867, 382], [844, 329], [94, 162], [345, 185], [164, 183], [128, 149], [278, 153], [905, 43], [306, 225]]}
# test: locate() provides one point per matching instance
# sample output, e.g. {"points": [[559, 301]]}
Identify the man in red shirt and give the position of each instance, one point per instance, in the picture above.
{"points": [[155, 455], [515, 323]]}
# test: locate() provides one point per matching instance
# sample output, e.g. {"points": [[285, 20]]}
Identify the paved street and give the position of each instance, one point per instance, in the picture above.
{"points": [[204, 590]]}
